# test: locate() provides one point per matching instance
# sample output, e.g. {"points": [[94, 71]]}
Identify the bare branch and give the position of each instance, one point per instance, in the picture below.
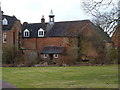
{"points": [[105, 13]]}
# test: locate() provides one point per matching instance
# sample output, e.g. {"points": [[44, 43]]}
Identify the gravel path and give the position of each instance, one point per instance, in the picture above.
{"points": [[4, 84]]}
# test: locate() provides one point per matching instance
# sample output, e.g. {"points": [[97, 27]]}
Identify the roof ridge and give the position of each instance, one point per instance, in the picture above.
{"points": [[37, 23], [72, 21], [61, 21], [10, 16]]}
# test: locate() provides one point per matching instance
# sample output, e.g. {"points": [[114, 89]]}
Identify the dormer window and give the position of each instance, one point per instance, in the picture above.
{"points": [[26, 33], [5, 21], [40, 32]]}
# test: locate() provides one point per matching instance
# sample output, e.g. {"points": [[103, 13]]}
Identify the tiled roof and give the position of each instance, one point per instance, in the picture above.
{"points": [[58, 29], [68, 28], [65, 29], [52, 50], [11, 20], [33, 28]]}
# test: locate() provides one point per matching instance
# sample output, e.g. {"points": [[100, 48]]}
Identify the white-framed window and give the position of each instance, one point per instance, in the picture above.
{"points": [[4, 38], [45, 55], [26, 33], [5, 21], [40, 32], [55, 55]]}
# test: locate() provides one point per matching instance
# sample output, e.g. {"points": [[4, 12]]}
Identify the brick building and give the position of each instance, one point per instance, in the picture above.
{"points": [[63, 42], [115, 37], [11, 28]]}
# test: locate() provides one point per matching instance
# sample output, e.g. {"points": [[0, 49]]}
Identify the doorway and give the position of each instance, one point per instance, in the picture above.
{"points": [[51, 57]]}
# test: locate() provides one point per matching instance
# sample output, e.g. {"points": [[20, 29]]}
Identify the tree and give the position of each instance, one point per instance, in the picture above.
{"points": [[104, 12]]}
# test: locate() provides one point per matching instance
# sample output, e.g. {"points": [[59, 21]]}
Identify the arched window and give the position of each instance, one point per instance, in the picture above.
{"points": [[4, 38], [55, 55], [45, 55], [5, 21], [40, 32], [26, 33]]}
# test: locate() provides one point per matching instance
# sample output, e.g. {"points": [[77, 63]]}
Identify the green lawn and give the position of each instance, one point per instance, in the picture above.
{"points": [[0, 73], [62, 77]]}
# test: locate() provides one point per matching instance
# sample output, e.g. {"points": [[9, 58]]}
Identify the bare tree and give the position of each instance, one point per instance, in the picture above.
{"points": [[104, 12]]}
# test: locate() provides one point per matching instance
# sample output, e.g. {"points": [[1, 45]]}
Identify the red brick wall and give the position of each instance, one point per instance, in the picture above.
{"points": [[39, 43], [29, 43], [9, 38]]}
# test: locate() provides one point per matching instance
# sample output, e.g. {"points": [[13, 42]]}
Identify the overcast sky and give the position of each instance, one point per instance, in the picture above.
{"points": [[32, 10]]}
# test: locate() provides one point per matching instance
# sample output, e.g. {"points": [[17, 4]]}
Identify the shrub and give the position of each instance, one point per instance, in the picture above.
{"points": [[12, 56], [8, 55], [114, 56], [31, 58]]}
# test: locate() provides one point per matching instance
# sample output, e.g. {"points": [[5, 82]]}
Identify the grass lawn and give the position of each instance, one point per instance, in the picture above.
{"points": [[0, 73], [62, 77]]}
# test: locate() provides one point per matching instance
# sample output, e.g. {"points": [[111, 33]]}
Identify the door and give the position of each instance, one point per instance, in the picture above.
{"points": [[51, 57]]}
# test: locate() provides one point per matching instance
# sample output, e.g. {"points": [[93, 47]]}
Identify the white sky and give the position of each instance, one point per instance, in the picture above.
{"points": [[32, 10]]}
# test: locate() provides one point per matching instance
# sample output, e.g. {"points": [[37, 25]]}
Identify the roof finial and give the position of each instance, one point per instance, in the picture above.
{"points": [[51, 12]]}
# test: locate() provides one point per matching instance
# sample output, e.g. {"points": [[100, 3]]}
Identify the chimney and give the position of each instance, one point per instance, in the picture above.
{"points": [[42, 19], [2, 12]]}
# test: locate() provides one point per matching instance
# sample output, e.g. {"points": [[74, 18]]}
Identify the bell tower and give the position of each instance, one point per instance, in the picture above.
{"points": [[51, 16]]}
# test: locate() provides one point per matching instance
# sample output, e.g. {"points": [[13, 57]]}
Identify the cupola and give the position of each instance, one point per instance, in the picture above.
{"points": [[51, 16]]}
